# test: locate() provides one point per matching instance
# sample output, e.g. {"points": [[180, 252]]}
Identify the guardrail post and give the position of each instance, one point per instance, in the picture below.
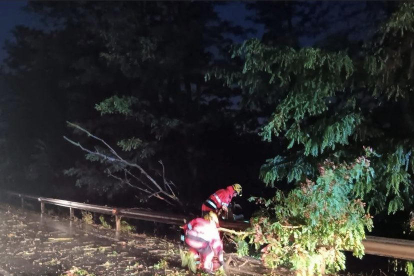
{"points": [[22, 201], [42, 207], [71, 213], [117, 223]]}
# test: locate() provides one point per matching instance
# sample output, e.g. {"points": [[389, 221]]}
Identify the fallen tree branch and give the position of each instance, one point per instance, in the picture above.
{"points": [[154, 190], [237, 233], [291, 226]]}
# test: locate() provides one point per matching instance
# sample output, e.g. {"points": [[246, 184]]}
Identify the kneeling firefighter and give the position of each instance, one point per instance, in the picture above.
{"points": [[202, 237]]}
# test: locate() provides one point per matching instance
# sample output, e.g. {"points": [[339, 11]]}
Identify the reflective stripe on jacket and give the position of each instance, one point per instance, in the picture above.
{"points": [[222, 197]]}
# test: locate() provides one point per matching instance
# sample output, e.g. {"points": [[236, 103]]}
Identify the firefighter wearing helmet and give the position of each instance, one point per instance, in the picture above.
{"points": [[220, 200], [205, 251]]}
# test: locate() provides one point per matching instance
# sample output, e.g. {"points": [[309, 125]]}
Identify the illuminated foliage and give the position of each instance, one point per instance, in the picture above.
{"points": [[308, 228], [328, 106]]}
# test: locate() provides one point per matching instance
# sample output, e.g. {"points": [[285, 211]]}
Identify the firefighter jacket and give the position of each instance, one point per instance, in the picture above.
{"points": [[203, 238], [219, 199]]}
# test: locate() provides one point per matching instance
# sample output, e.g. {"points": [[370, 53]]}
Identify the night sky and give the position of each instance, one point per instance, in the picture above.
{"points": [[11, 14]]}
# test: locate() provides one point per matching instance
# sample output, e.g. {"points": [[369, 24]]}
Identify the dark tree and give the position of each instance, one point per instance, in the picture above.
{"points": [[131, 73]]}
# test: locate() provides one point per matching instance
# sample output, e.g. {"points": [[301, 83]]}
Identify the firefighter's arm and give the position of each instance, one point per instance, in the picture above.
{"points": [[187, 226], [226, 198]]}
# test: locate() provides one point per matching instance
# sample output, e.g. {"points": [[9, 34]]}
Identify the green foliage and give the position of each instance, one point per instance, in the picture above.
{"points": [[278, 168], [333, 133], [162, 264], [130, 144], [87, 217], [104, 223], [188, 261], [330, 104], [242, 248], [308, 228], [116, 104], [392, 179], [282, 66], [391, 61], [327, 106], [409, 268], [126, 227], [400, 22], [220, 272], [401, 265]]}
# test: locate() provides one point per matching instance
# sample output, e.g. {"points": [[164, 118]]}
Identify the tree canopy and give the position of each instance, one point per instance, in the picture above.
{"points": [[329, 107], [331, 104]]}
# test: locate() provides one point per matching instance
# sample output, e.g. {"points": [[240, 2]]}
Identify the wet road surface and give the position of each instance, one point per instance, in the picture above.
{"points": [[34, 245], [31, 244]]}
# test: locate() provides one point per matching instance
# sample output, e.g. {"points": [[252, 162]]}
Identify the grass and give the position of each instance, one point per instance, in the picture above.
{"points": [[75, 271], [162, 264], [126, 227], [104, 223], [87, 217]]}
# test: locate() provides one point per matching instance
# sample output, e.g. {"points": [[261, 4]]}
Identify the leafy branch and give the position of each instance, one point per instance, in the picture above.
{"points": [[308, 228]]}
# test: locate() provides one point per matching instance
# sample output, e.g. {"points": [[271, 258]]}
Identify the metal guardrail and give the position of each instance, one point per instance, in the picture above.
{"points": [[118, 212], [386, 247]]}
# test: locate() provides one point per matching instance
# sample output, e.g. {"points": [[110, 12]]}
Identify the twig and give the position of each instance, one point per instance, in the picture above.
{"points": [[237, 233], [243, 264], [138, 179], [126, 182], [166, 192], [169, 187], [163, 174], [166, 184], [117, 159], [60, 239], [291, 226], [228, 261]]}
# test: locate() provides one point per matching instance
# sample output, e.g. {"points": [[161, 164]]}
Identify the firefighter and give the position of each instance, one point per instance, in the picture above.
{"points": [[205, 246], [220, 200]]}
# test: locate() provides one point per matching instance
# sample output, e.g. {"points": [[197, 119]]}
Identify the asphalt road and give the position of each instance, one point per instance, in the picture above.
{"points": [[31, 244], [34, 245]]}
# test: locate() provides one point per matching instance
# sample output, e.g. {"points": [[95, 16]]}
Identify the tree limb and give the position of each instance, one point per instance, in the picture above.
{"points": [[155, 190]]}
